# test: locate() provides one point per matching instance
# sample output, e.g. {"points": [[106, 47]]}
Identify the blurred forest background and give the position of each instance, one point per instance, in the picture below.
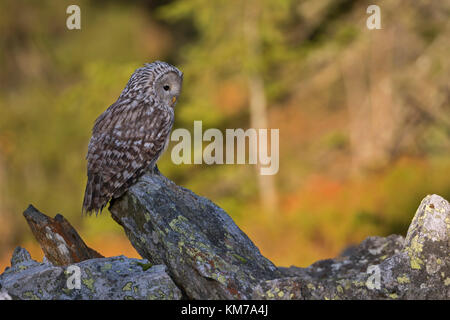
{"points": [[364, 115]]}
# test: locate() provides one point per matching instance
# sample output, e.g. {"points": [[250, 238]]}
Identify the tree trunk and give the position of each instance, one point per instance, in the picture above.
{"points": [[374, 118], [258, 101], [58, 239]]}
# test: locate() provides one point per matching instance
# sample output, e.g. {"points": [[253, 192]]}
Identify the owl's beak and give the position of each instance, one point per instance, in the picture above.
{"points": [[174, 99]]}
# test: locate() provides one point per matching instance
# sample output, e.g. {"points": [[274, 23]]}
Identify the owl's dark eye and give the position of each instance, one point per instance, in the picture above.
{"points": [[166, 87]]}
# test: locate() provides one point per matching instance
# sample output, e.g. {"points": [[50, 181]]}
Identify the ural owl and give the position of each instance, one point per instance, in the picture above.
{"points": [[131, 134]]}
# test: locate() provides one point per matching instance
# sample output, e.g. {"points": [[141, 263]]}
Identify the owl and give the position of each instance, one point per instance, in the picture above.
{"points": [[130, 136]]}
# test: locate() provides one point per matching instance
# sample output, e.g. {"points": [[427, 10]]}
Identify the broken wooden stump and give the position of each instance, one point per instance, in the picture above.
{"points": [[61, 243]]}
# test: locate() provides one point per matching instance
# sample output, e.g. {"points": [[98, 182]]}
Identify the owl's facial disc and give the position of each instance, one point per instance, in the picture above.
{"points": [[168, 88]]}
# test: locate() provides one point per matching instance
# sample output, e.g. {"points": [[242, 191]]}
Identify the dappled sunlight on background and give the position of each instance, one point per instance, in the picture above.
{"points": [[363, 114]]}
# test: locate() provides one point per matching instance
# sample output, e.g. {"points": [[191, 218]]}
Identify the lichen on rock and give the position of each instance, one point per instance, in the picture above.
{"points": [[204, 250], [194, 250], [100, 279], [416, 267]]}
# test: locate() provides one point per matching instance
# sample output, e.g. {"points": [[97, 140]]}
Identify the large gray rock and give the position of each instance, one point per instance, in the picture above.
{"points": [[205, 252], [417, 267], [101, 278]]}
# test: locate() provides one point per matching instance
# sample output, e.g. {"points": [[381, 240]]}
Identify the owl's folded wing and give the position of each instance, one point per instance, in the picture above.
{"points": [[118, 155]]}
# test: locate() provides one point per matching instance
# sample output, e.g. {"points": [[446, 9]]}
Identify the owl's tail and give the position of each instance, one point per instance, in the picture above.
{"points": [[94, 200]]}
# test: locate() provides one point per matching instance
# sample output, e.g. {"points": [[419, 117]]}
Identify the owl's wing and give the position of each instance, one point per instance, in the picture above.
{"points": [[124, 143]]}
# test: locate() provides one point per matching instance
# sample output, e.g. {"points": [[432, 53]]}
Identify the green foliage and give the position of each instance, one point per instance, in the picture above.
{"points": [[233, 39]]}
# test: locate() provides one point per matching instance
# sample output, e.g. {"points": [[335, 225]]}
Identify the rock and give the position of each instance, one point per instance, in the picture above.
{"points": [[115, 278], [20, 256], [371, 251], [417, 267], [205, 252]]}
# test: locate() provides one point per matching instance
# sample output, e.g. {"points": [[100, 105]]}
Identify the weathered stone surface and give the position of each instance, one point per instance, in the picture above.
{"points": [[417, 267], [199, 253], [352, 261], [101, 278], [205, 252]]}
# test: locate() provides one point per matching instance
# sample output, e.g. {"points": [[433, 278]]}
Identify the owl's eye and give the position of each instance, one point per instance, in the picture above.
{"points": [[166, 87]]}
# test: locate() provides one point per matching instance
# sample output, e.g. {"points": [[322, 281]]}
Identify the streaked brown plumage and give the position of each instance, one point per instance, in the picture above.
{"points": [[131, 134]]}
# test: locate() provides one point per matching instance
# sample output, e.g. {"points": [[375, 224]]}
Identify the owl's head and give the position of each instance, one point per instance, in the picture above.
{"points": [[157, 81], [168, 85]]}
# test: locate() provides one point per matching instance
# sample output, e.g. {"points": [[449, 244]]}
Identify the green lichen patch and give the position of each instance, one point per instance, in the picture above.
{"points": [[106, 267], [310, 286], [414, 252], [393, 296], [89, 283], [403, 279], [67, 291], [145, 266], [175, 222], [447, 281], [127, 286], [242, 259], [30, 295]]}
